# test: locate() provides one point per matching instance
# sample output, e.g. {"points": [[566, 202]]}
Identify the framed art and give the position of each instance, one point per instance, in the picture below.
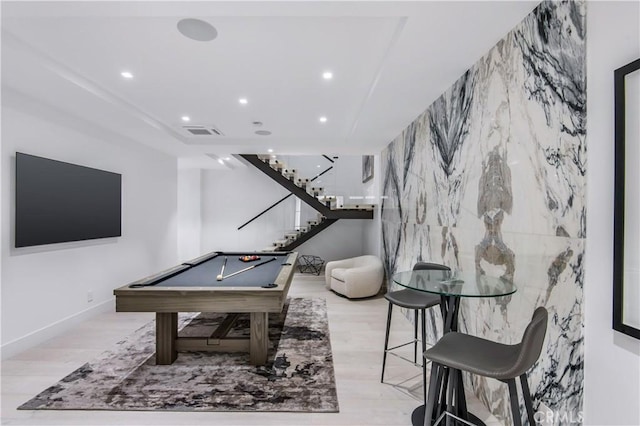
{"points": [[367, 168], [626, 228]]}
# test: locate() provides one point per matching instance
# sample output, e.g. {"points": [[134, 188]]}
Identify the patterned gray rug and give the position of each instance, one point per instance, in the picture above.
{"points": [[298, 376]]}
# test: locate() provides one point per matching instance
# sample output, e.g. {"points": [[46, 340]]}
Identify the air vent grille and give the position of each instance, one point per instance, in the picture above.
{"points": [[198, 132], [202, 130]]}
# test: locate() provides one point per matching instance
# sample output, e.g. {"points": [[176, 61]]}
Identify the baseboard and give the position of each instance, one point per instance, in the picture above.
{"points": [[37, 337]]}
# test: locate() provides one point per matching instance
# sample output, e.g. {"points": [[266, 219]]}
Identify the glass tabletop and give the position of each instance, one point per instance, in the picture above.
{"points": [[449, 283]]}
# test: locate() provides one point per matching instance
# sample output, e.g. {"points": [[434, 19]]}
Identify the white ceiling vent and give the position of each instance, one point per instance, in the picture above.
{"points": [[200, 131]]}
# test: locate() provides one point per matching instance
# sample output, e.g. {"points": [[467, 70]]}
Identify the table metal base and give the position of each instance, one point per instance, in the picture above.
{"points": [[417, 419], [308, 263]]}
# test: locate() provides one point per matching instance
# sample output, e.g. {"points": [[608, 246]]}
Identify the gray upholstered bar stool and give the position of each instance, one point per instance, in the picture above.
{"points": [[462, 352], [419, 302]]}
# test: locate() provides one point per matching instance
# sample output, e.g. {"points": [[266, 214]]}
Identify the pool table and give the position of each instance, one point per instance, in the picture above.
{"points": [[197, 286]]}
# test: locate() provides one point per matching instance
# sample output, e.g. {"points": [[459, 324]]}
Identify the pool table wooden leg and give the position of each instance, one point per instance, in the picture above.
{"points": [[259, 344], [166, 335]]}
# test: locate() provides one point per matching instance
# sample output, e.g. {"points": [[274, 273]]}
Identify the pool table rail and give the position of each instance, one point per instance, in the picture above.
{"points": [[150, 298]]}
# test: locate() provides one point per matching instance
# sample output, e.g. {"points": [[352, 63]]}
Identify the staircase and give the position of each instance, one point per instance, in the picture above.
{"points": [[328, 211]]}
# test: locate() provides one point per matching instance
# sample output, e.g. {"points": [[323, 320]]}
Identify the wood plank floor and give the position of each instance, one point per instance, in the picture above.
{"points": [[357, 337]]}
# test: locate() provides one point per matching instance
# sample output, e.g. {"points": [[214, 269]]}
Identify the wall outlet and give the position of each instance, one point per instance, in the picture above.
{"points": [[90, 296], [544, 416]]}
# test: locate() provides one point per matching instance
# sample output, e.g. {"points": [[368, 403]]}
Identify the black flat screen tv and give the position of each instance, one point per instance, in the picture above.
{"points": [[59, 202]]}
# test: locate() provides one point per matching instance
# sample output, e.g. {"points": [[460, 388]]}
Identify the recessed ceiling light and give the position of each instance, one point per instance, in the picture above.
{"points": [[323, 119], [318, 166], [220, 160], [269, 150], [327, 75], [243, 101], [126, 74], [227, 158], [186, 118], [196, 29], [263, 132]]}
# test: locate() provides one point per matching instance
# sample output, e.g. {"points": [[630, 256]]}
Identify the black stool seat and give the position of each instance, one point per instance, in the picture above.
{"points": [[412, 299], [457, 352], [476, 355]]}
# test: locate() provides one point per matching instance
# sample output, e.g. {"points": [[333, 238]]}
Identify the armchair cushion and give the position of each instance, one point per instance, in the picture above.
{"points": [[355, 277]]}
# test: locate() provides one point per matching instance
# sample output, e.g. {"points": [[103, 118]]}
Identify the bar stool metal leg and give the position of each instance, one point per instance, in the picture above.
{"points": [[527, 398], [415, 336], [442, 406], [450, 397], [424, 348], [386, 342], [515, 406], [461, 400], [434, 389]]}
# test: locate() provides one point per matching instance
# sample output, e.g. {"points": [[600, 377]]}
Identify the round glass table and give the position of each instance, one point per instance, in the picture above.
{"points": [[452, 286]]}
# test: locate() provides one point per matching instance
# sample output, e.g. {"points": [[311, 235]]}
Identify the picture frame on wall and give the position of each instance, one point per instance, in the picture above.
{"points": [[626, 222], [367, 168]]}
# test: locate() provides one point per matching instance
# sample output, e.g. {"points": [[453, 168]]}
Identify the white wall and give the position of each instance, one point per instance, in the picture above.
{"points": [[189, 214], [348, 178], [45, 288], [230, 198], [341, 240], [372, 230], [612, 359]]}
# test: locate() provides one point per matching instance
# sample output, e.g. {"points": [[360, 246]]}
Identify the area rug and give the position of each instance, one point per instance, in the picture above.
{"points": [[298, 376]]}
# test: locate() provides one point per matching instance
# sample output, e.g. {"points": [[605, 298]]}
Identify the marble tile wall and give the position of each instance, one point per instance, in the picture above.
{"points": [[491, 178]]}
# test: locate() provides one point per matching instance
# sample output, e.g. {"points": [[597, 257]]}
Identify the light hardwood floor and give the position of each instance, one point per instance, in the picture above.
{"points": [[357, 337]]}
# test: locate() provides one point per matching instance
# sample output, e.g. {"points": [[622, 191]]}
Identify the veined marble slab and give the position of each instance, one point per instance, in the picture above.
{"points": [[491, 178]]}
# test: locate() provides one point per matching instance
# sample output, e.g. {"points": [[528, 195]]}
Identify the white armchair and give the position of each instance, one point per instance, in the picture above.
{"points": [[355, 277]]}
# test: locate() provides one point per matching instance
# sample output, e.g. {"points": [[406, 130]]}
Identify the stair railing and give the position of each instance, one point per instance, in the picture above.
{"points": [[283, 198]]}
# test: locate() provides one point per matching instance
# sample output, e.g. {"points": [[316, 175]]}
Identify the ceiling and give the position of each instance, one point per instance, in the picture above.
{"points": [[389, 61]]}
